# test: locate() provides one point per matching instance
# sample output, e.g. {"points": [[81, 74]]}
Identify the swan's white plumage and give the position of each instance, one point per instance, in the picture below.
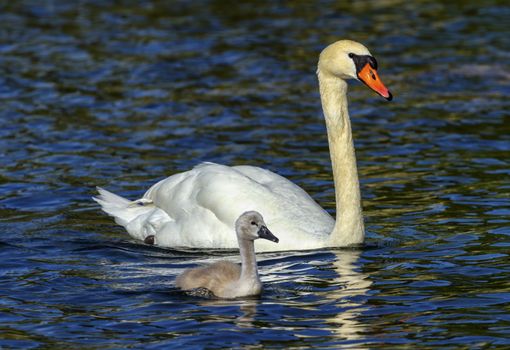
{"points": [[197, 208]]}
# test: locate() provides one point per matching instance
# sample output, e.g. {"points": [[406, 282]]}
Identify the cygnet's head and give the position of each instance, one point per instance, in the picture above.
{"points": [[251, 226], [347, 59]]}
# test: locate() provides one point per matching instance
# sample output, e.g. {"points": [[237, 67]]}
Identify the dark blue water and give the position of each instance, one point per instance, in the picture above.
{"points": [[120, 95]]}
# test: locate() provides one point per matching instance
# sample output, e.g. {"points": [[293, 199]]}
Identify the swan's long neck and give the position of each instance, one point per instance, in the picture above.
{"points": [[249, 271], [349, 228]]}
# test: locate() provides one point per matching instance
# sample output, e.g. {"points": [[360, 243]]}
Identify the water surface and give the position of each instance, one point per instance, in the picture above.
{"points": [[121, 95]]}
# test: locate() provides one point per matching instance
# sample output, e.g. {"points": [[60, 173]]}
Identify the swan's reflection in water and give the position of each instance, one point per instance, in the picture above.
{"points": [[323, 284], [352, 286]]}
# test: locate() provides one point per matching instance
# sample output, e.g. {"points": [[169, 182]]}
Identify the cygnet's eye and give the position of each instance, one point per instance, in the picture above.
{"points": [[351, 55], [254, 223]]}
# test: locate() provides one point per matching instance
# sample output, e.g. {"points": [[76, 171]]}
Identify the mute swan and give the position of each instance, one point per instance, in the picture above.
{"points": [[198, 207], [228, 280]]}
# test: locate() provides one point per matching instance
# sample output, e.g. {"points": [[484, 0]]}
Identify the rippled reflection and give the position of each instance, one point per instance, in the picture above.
{"points": [[351, 296]]}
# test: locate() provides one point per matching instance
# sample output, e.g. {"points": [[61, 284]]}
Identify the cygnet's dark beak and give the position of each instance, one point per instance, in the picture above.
{"points": [[264, 232]]}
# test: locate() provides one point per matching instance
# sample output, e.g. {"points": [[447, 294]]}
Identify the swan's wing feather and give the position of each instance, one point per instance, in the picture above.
{"points": [[278, 184], [297, 202], [204, 203]]}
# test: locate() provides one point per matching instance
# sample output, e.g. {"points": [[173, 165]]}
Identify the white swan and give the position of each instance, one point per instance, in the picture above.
{"points": [[197, 208], [225, 279]]}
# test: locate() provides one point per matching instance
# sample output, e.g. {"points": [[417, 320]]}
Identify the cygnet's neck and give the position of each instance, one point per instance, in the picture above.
{"points": [[249, 271], [349, 228]]}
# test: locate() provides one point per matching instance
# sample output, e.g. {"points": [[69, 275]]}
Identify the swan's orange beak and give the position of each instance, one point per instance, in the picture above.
{"points": [[368, 75]]}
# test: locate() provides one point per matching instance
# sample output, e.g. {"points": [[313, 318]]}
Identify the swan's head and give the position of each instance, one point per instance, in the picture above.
{"points": [[347, 59], [251, 226]]}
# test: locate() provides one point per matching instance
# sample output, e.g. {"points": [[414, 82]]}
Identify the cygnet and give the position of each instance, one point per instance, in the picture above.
{"points": [[225, 279]]}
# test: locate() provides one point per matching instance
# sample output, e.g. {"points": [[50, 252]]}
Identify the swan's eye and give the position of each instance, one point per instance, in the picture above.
{"points": [[351, 55], [254, 223]]}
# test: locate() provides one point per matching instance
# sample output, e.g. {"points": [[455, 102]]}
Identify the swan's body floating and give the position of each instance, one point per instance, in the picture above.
{"points": [[197, 208], [228, 280]]}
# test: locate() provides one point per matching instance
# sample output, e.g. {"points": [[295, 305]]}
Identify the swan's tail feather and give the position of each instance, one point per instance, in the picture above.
{"points": [[122, 209], [140, 218], [110, 198]]}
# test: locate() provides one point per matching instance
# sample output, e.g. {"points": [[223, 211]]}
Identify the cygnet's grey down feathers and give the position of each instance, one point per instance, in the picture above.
{"points": [[212, 277], [225, 279]]}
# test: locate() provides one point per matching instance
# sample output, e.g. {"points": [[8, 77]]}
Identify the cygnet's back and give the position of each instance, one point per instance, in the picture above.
{"points": [[213, 277], [225, 279]]}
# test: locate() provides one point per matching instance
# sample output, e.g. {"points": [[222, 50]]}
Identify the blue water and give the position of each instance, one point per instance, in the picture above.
{"points": [[120, 95]]}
